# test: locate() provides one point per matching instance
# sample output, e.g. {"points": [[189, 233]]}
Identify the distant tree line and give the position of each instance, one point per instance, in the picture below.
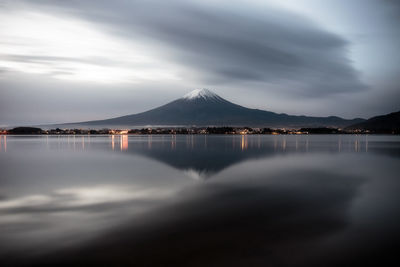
{"points": [[192, 130]]}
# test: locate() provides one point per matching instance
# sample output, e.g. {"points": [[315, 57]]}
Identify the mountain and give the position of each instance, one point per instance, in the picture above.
{"points": [[389, 123], [205, 108]]}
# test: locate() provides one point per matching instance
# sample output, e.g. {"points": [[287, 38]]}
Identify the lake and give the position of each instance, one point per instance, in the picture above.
{"points": [[199, 200]]}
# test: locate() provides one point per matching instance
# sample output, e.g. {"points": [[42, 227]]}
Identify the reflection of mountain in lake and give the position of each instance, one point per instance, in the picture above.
{"points": [[201, 156], [323, 200]]}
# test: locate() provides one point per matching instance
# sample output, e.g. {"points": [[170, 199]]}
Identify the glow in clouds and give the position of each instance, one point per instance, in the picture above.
{"points": [[72, 49]]}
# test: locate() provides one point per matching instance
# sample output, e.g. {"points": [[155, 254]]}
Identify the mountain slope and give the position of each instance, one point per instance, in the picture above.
{"points": [[204, 108], [385, 123]]}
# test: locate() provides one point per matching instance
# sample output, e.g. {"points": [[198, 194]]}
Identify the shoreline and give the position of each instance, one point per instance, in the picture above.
{"points": [[196, 131]]}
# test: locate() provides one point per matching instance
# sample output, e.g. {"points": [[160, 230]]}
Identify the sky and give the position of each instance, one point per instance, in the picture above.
{"points": [[78, 60]]}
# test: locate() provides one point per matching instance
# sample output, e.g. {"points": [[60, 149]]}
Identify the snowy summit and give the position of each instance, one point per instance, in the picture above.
{"points": [[201, 93]]}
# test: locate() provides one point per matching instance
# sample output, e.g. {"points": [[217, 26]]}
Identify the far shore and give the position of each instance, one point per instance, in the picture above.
{"points": [[192, 130]]}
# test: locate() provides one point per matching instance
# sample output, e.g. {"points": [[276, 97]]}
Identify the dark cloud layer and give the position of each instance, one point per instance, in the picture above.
{"points": [[393, 8], [303, 58], [226, 43]]}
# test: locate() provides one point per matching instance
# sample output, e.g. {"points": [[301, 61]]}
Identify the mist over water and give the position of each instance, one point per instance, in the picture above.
{"points": [[199, 200]]}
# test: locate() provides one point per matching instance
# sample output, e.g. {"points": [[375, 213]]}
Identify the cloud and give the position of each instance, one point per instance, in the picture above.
{"points": [[220, 43], [72, 49], [393, 8]]}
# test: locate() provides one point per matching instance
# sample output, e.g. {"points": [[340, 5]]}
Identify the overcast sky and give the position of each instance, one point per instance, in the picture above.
{"points": [[68, 61]]}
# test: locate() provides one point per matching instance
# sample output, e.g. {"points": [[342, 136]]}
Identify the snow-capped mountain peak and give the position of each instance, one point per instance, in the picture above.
{"points": [[201, 93]]}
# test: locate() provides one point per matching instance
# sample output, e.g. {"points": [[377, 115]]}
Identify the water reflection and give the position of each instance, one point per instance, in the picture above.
{"points": [[124, 142], [127, 200], [3, 143], [243, 143], [206, 219], [204, 156]]}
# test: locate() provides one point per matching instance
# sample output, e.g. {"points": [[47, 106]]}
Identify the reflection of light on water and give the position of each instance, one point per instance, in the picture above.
{"points": [[70, 211], [83, 143], [340, 144], [124, 142], [244, 143], [173, 141], [284, 144], [149, 141], [112, 142], [366, 143]]}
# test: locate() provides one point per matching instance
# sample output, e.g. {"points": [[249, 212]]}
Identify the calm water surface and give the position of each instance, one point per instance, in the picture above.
{"points": [[199, 200]]}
